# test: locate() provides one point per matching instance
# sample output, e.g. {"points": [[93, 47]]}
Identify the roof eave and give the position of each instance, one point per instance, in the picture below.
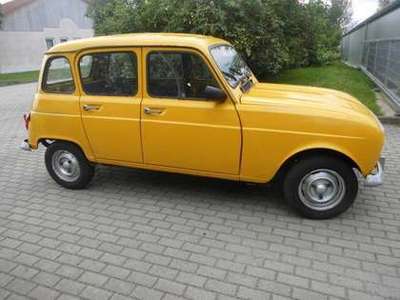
{"points": [[388, 9]]}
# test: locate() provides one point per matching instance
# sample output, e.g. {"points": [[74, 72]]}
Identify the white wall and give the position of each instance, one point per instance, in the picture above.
{"points": [[23, 51], [39, 14]]}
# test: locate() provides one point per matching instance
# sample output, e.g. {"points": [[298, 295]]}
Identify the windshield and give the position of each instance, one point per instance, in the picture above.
{"points": [[230, 63]]}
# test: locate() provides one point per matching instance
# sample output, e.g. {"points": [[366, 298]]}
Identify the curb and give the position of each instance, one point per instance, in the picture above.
{"points": [[390, 120]]}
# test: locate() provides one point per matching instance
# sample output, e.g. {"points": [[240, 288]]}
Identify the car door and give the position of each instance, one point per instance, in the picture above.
{"points": [[181, 126], [110, 102]]}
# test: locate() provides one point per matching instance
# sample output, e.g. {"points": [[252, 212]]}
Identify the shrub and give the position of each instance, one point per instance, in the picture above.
{"points": [[270, 34]]}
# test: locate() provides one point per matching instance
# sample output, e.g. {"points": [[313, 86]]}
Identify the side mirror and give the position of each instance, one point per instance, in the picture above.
{"points": [[214, 94]]}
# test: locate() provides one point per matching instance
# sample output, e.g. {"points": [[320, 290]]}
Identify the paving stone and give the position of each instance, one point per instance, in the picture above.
{"points": [[249, 293], [44, 293], [119, 286], [148, 235], [24, 272], [46, 279], [116, 272], [20, 286], [142, 279], [95, 293], [69, 271], [199, 294], [211, 272], [303, 294], [221, 287], [5, 279], [275, 287], [145, 293], [93, 278], [70, 286], [170, 286]]}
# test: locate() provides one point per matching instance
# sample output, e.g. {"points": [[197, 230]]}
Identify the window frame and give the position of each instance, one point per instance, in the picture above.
{"points": [[211, 47], [46, 73], [129, 51], [179, 51]]}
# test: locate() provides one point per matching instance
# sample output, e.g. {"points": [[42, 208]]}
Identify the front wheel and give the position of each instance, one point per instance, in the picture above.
{"points": [[321, 187], [68, 166]]}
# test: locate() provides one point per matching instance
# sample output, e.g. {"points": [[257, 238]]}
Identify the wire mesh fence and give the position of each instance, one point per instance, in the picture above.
{"points": [[374, 46]]}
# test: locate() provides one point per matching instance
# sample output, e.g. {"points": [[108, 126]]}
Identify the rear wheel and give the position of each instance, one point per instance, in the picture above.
{"points": [[68, 166], [321, 187]]}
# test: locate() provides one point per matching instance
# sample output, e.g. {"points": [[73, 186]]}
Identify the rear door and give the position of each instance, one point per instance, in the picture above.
{"points": [[110, 102]]}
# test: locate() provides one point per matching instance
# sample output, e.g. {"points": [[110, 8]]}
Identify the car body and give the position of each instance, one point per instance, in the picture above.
{"points": [[170, 103]]}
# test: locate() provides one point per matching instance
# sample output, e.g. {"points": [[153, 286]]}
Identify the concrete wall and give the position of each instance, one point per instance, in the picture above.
{"points": [[23, 51]]}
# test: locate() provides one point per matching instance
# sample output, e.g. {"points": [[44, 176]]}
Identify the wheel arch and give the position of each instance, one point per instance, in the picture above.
{"points": [[85, 150], [295, 157]]}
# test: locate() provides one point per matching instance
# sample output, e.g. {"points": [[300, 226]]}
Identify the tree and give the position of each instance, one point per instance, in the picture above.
{"points": [[270, 34], [1, 15], [384, 3], [326, 23], [340, 12], [115, 16]]}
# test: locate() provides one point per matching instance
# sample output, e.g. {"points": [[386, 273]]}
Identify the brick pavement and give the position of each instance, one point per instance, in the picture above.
{"points": [[147, 235]]}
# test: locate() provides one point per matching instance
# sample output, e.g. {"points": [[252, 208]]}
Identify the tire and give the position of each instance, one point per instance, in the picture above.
{"points": [[68, 166], [320, 187]]}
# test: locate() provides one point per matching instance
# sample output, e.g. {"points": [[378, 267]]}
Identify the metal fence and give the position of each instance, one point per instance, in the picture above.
{"points": [[374, 46]]}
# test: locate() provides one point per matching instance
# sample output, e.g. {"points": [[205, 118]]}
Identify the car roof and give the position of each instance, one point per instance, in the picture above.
{"points": [[139, 40]]}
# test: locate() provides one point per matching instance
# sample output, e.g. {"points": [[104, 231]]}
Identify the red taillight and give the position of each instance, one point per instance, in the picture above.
{"points": [[27, 119]]}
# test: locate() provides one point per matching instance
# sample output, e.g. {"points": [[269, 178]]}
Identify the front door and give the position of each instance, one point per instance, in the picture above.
{"points": [[182, 127], [110, 103]]}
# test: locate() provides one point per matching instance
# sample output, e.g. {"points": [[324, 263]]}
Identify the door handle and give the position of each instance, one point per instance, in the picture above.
{"points": [[153, 111], [91, 107]]}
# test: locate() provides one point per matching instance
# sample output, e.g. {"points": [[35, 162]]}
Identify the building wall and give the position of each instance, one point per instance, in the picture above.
{"points": [[41, 14], [24, 33], [23, 51]]}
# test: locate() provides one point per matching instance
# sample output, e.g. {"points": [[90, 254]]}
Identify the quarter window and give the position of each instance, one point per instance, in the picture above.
{"points": [[58, 76], [109, 74], [181, 75]]}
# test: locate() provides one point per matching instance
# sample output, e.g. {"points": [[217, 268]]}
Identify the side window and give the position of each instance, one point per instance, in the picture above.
{"points": [[181, 75], [58, 76], [109, 74]]}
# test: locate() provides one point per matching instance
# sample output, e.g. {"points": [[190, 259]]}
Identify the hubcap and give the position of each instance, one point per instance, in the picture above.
{"points": [[322, 189], [66, 165]]}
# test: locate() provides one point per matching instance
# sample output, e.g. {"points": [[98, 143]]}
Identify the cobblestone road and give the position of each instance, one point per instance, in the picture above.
{"points": [[144, 235]]}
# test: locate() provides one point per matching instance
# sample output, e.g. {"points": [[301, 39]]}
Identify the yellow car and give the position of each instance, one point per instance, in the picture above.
{"points": [[189, 104]]}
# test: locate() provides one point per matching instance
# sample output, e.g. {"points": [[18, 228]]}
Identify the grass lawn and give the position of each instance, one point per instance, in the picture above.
{"points": [[17, 78], [336, 76]]}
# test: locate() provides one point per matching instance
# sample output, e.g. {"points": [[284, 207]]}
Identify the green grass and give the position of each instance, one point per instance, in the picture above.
{"points": [[337, 76], [17, 78]]}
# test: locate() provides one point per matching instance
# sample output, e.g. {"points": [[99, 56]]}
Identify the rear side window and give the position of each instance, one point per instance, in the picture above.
{"points": [[58, 76], [109, 74]]}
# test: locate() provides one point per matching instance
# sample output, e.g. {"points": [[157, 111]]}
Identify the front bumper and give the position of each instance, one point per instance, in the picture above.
{"points": [[376, 176]]}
